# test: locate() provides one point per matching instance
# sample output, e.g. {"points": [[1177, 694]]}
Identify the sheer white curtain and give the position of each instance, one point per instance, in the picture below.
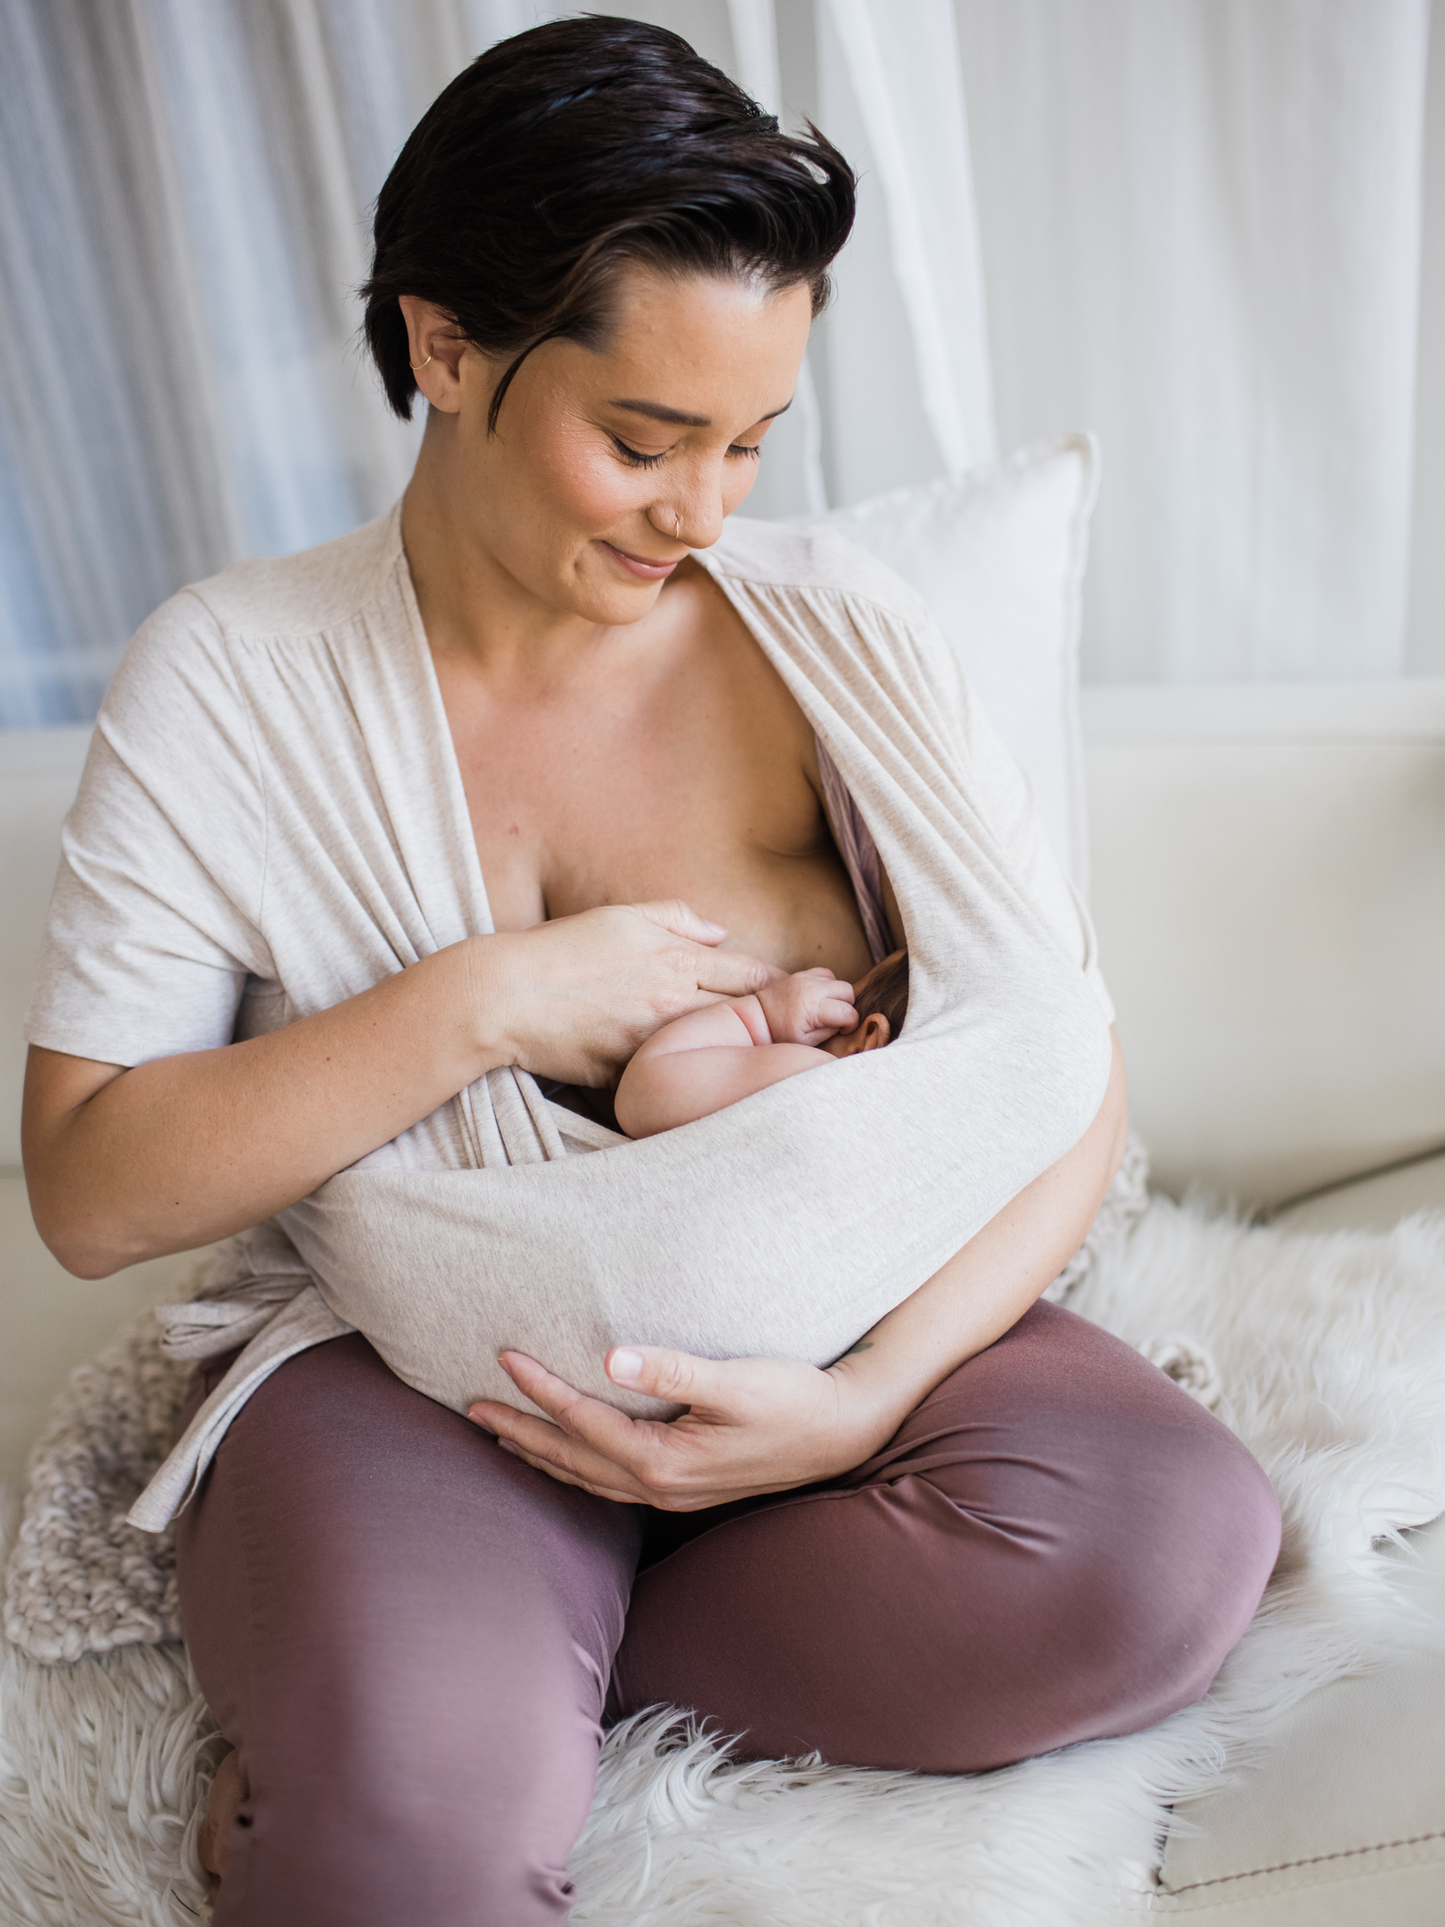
{"points": [[183, 195], [1193, 225], [1202, 227]]}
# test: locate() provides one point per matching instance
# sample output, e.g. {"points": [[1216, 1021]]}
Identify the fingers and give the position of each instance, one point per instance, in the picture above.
{"points": [[671, 913], [583, 1441], [591, 1420], [704, 1384], [727, 973], [548, 1450]]}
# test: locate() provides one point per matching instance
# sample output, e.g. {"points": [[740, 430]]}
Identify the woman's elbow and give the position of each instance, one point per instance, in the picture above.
{"points": [[62, 1158], [84, 1249]]}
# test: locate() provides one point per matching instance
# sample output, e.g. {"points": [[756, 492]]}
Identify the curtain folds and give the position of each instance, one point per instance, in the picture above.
{"points": [[1202, 232], [904, 70], [1192, 225]]}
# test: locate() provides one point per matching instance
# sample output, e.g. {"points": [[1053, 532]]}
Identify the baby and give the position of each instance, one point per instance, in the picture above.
{"points": [[702, 1062]]}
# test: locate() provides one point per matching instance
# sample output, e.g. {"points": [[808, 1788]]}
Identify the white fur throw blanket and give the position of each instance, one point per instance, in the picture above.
{"points": [[1330, 1353], [748, 1232]]}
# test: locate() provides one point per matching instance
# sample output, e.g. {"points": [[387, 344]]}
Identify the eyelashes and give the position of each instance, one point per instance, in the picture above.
{"points": [[635, 458]]}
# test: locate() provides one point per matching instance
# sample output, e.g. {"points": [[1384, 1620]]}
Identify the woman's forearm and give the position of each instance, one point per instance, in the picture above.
{"points": [[130, 1164], [985, 1288]]}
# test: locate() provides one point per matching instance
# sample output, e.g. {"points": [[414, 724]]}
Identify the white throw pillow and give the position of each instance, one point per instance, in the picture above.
{"points": [[998, 555]]}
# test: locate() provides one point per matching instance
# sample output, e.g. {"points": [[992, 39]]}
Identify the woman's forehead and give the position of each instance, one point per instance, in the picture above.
{"points": [[694, 351]]}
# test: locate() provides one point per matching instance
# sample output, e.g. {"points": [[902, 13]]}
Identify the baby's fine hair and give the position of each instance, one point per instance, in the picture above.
{"points": [[885, 989]]}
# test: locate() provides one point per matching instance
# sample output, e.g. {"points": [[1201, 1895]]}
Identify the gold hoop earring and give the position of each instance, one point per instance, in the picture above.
{"points": [[418, 364]]}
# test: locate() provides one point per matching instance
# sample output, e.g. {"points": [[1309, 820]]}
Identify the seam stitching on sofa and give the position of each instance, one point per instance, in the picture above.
{"points": [[1315, 1860]]}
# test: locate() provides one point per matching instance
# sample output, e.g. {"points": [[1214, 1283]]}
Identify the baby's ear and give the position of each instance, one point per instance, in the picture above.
{"points": [[873, 1033]]}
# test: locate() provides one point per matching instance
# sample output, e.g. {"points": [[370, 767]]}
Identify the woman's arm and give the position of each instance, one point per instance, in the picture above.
{"points": [[758, 1425], [130, 1164], [985, 1289]]}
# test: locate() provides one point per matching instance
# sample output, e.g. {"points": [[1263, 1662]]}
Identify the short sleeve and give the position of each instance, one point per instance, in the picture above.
{"points": [[154, 925]]}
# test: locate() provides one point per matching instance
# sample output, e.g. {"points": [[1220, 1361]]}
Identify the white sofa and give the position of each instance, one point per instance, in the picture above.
{"points": [[1269, 887], [1268, 878]]}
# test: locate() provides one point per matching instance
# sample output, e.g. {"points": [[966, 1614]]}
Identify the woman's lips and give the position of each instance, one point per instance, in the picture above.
{"points": [[639, 565]]}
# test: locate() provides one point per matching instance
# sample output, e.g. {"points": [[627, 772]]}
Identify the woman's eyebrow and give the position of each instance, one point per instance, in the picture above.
{"points": [[658, 411]]}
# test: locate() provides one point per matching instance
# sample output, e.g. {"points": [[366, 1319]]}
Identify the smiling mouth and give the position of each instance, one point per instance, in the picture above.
{"points": [[642, 566]]}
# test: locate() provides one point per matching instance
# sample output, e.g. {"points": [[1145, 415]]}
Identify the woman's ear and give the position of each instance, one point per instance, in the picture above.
{"points": [[435, 350]]}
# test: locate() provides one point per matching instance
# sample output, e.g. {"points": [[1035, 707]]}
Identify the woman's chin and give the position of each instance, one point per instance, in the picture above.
{"points": [[601, 595]]}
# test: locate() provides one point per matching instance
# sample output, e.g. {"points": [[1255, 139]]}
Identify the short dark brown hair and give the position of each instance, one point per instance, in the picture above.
{"points": [[568, 150], [885, 989]]}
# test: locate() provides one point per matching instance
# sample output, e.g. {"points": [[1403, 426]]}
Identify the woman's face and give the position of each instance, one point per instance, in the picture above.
{"points": [[607, 465]]}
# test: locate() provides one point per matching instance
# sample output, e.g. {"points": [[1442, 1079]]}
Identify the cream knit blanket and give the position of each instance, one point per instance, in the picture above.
{"points": [[789, 1223]]}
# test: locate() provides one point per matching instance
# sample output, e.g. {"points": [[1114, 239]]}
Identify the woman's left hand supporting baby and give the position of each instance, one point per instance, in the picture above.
{"points": [[756, 1425], [753, 1425]]}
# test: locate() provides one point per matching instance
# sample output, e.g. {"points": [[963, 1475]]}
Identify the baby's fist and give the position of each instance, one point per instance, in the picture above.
{"points": [[807, 1008]]}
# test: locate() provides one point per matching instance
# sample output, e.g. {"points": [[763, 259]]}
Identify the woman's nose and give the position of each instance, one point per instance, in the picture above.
{"points": [[695, 512]]}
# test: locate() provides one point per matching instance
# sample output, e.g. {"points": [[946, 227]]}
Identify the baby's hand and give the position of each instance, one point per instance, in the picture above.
{"points": [[807, 1008]]}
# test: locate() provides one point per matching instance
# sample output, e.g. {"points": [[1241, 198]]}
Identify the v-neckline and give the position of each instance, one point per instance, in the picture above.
{"points": [[464, 836], [463, 832]]}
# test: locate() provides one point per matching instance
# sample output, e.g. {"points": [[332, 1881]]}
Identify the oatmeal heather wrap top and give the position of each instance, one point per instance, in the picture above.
{"points": [[272, 820]]}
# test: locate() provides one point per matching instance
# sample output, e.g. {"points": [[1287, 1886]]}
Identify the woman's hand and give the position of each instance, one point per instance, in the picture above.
{"points": [[125, 1164], [574, 998], [753, 1425], [757, 1425]]}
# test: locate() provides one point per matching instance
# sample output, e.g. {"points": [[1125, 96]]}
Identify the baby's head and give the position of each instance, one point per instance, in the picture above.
{"points": [[881, 1001]]}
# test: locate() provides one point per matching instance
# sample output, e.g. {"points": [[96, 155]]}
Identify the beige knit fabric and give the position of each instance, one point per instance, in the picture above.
{"points": [[330, 845]]}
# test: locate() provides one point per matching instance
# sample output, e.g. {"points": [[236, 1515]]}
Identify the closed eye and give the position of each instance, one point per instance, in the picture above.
{"points": [[634, 457]]}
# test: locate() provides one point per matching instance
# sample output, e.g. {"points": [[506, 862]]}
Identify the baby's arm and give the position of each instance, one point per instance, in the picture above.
{"points": [[711, 1058]]}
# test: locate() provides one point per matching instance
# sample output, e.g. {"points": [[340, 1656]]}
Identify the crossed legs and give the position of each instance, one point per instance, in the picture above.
{"points": [[409, 1634]]}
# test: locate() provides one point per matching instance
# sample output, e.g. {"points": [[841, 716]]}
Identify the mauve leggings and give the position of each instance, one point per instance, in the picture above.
{"points": [[409, 1634]]}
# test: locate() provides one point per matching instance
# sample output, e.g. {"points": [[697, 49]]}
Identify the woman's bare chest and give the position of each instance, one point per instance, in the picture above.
{"points": [[694, 786]]}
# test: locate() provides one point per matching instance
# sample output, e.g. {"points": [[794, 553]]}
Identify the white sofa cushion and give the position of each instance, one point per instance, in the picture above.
{"points": [[1370, 1204], [1341, 1820]]}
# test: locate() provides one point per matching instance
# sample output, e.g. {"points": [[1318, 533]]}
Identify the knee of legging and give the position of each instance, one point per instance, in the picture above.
{"points": [[448, 1766], [1149, 1607], [418, 1832]]}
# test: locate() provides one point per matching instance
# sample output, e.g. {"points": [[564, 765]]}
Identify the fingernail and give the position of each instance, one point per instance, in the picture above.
{"points": [[507, 1446], [475, 1415], [716, 929], [625, 1366]]}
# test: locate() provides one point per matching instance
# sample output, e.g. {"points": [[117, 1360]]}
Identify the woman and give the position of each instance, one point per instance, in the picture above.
{"points": [[989, 1530]]}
